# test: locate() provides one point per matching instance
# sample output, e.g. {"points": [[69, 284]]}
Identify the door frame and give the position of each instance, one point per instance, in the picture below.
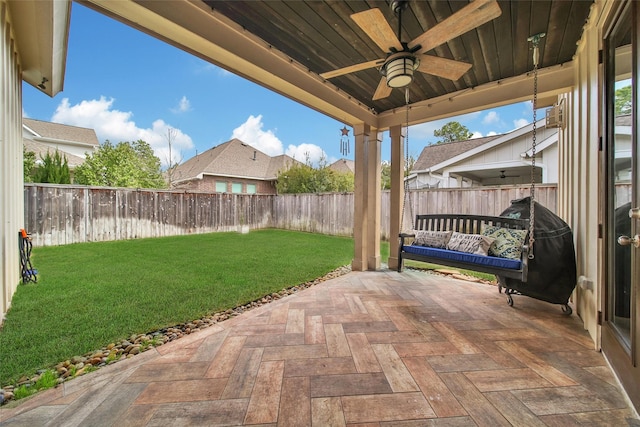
{"points": [[624, 360]]}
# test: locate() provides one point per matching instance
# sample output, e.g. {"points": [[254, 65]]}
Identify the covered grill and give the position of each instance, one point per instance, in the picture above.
{"points": [[552, 273]]}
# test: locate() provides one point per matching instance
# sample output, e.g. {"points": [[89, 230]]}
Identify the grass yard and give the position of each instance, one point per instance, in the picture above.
{"points": [[91, 294]]}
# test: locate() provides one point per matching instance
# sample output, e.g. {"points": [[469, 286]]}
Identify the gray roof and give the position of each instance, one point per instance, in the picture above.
{"points": [[434, 154], [343, 166], [624, 120], [233, 158], [41, 150], [57, 131]]}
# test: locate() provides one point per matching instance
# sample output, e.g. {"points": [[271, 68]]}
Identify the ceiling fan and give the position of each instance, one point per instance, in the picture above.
{"points": [[503, 176], [403, 59]]}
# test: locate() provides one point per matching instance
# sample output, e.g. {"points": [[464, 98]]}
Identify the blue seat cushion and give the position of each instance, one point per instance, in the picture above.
{"points": [[445, 254]]}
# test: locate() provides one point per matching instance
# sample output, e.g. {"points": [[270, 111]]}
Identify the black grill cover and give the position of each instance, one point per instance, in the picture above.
{"points": [[552, 272]]}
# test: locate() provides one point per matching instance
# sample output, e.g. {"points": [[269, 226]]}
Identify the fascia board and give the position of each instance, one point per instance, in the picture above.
{"points": [[545, 143], [484, 147]]}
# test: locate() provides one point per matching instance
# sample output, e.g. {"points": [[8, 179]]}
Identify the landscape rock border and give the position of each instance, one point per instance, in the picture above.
{"points": [[136, 344]]}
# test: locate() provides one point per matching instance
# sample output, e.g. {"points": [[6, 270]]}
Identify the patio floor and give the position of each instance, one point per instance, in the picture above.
{"points": [[364, 349]]}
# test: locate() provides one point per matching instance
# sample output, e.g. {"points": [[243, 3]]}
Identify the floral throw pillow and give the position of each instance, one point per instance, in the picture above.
{"points": [[508, 242], [433, 239], [470, 243]]}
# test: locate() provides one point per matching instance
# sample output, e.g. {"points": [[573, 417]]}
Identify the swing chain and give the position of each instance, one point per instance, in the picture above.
{"points": [[535, 41], [407, 194]]}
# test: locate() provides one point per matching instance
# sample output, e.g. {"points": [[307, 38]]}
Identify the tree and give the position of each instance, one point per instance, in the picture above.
{"points": [[623, 101], [53, 170], [304, 178], [28, 164], [451, 132], [171, 165], [385, 171], [127, 164]]}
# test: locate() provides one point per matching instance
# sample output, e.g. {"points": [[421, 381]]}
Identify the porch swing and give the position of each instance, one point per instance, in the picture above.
{"points": [[502, 245]]}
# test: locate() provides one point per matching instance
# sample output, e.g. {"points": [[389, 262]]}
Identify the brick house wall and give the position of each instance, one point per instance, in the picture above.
{"points": [[209, 184]]}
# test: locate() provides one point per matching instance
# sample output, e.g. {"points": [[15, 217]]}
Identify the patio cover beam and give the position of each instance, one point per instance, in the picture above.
{"points": [[214, 38]]}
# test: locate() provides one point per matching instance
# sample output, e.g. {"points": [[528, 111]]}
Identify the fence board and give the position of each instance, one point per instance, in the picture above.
{"points": [[57, 214]]}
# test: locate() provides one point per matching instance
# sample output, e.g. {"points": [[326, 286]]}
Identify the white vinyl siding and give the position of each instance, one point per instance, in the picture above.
{"points": [[11, 181]]}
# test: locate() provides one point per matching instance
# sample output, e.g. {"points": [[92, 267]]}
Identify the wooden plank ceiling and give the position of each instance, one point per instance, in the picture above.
{"points": [[321, 36]]}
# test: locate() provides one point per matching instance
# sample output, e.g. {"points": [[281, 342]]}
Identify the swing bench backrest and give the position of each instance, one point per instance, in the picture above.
{"points": [[468, 224]]}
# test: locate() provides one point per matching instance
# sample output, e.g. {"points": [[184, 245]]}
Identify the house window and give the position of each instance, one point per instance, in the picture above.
{"points": [[221, 186], [236, 187], [251, 189]]}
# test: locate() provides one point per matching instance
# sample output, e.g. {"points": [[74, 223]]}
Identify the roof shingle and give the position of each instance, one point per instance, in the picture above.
{"points": [[437, 153], [57, 131], [233, 158]]}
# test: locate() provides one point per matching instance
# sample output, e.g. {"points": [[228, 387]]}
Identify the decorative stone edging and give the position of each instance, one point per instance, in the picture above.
{"points": [[136, 344]]}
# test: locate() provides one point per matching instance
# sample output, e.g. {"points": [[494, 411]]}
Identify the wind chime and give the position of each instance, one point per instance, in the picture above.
{"points": [[344, 141]]}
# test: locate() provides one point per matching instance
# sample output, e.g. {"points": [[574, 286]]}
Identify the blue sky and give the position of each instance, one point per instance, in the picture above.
{"points": [[128, 86]]}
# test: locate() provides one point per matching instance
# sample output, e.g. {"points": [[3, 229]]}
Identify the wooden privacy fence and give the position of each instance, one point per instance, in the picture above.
{"points": [[63, 214], [485, 201], [60, 214]]}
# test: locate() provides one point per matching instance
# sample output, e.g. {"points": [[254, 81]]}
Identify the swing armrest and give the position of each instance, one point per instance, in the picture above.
{"points": [[404, 236], [524, 258]]}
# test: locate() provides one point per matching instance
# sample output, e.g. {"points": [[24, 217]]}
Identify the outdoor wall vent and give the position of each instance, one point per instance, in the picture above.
{"points": [[555, 116]]}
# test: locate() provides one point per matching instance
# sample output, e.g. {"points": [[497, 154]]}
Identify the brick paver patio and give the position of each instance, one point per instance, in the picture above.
{"points": [[364, 349]]}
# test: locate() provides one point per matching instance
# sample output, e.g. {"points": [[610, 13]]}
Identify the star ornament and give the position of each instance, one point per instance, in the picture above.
{"points": [[345, 131]]}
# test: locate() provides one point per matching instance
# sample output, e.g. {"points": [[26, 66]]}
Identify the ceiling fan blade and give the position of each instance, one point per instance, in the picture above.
{"points": [[382, 91], [352, 69], [443, 67], [466, 19], [373, 23]]}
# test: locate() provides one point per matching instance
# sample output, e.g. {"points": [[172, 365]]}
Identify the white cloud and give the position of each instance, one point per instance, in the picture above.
{"points": [[518, 123], [252, 133], [302, 151], [476, 134], [490, 118], [492, 133], [183, 106], [117, 126]]}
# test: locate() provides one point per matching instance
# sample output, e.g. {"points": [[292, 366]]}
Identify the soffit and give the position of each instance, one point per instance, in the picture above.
{"points": [[41, 31]]}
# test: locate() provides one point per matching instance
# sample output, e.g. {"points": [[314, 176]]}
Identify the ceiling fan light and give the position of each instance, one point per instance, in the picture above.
{"points": [[399, 71]]}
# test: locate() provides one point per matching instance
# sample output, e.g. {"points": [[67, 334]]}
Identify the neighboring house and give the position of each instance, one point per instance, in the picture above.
{"points": [[622, 162], [232, 167], [71, 141], [493, 160], [343, 166]]}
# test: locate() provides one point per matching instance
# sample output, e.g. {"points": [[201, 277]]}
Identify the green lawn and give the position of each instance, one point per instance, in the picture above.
{"points": [[91, 294]]}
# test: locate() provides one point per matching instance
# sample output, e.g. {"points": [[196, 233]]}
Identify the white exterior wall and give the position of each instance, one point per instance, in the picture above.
{"points": [[11, 183], [579, 193], [550, 164]]}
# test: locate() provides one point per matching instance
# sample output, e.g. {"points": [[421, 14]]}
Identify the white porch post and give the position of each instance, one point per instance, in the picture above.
{"points": [[397, 193], [374, 143], [360, 207], [366, 215]]}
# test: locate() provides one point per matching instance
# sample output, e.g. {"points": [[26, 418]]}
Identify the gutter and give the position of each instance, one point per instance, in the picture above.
{"points": [[64, 141]]}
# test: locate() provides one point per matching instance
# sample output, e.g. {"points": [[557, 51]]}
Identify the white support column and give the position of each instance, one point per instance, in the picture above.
{"points": [[397, 193], [374, 144], [360, 206]]}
